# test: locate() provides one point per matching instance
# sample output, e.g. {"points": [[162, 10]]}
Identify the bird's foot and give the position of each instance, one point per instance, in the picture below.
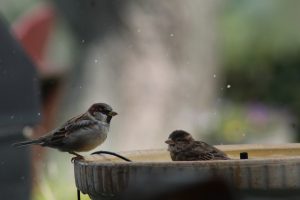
{"points": [[77, 157]]}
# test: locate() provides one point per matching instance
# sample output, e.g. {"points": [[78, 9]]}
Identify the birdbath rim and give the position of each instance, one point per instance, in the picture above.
{"points": [[267, 164]]}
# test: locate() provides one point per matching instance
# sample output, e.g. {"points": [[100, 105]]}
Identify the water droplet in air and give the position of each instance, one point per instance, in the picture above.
{"points": [[27, 131], [228, 86], [215, 76], [172, 35]]}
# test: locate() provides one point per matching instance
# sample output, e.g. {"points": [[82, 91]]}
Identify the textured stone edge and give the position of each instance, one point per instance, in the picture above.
{"points": [[110, 178]]}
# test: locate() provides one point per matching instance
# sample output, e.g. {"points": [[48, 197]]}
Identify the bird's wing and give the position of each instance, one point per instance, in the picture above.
{"points": [[76, 123], [208, 151]]}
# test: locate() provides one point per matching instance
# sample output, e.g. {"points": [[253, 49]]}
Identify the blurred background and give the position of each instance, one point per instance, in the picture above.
{"points": [[227, 72]]}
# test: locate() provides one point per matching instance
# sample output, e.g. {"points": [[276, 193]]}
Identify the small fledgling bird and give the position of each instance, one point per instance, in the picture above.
{"points": [[183, 147], [82, 133]]}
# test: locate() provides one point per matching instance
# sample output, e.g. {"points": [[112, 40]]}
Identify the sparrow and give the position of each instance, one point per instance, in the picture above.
{"points": [[82, 133], [183, 147]]}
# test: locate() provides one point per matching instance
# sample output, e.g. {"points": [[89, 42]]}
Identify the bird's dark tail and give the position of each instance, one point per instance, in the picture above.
{"points": [[25, 143]]}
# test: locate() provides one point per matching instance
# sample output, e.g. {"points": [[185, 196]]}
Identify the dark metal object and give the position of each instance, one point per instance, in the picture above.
{"points": [[244, 155], [78, 194], [113, 154], [19, 107]]}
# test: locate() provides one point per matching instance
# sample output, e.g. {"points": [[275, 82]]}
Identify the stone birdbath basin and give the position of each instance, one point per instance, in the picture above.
{"points": [[268, 167]]}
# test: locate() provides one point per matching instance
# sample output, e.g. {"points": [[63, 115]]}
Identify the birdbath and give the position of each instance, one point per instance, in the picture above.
{"points": [[268, 167]]}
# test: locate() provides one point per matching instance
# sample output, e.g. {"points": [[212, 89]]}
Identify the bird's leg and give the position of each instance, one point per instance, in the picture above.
{"points": [[78, 156]]}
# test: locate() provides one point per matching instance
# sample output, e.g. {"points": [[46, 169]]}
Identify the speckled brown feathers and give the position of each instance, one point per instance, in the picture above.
{"points": [[183, 147], [82, 133]]}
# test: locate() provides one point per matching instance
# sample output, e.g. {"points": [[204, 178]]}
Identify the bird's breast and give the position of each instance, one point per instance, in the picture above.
{"points": [[87, 139]]}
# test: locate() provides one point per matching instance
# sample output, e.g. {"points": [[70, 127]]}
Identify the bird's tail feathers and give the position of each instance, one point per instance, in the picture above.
{"points": [[25, 143]]}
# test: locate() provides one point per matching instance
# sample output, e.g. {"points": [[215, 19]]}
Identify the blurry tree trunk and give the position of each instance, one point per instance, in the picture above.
{"points": [[156, 69]]}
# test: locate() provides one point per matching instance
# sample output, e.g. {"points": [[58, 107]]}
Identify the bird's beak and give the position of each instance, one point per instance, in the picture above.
{"points": [[112, 113], [169, 141]]}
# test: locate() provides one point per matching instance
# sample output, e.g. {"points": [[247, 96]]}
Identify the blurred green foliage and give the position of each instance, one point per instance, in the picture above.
{"points": [[12, 9], [236, 123], [255, 31], [261, 52]]}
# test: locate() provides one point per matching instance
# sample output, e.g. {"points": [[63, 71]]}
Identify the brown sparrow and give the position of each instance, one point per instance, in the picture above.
{"points": [[82, 133], [183, 147]]}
